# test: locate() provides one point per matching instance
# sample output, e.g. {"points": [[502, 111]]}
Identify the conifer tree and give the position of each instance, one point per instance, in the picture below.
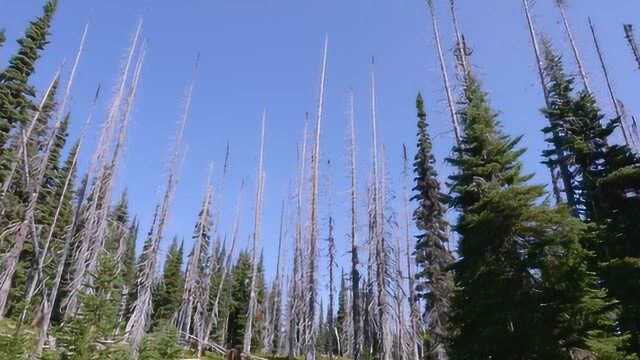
{"points": [[90, 333], [342, 325], [239, 307], [605, 177], [15, 92], [524, 290], [166, 300], [162, 344], [435, 281]]}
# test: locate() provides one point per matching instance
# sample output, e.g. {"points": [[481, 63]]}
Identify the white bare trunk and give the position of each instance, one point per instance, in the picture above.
{"points": [[256, 243]]}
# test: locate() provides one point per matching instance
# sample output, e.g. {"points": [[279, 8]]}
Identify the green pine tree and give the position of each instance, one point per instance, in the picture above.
{"points": [[239, 307], [435, 281], [90, 335], [15, 92], [524, 290], [162, 344], [168, 293], [607, 187]]}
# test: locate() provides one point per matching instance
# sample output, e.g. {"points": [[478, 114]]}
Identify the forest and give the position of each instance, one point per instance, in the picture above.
{"points": [[483, 263]]}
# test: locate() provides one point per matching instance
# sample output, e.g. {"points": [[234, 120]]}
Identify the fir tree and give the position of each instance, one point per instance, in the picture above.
{"points": [[162, 344], [239, 306], [166, 300], [435, 281], [524, 288], [15, 92], [607, 187], [342, 320], [85, 336]]}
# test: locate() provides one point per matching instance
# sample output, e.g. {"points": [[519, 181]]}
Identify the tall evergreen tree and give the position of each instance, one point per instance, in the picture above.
{"points": [[607, 187], [15, 92], [524, 290], [435, 281]]}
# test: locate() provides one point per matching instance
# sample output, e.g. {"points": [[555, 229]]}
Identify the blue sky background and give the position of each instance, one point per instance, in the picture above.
{"points": [[258, 54]]}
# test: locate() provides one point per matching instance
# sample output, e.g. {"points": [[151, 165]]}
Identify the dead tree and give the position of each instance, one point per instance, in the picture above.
{"points": [[633, 44], [257, 232], [26, 134], [614, 100], [381, 261], [462, 52], [196, 268], [272, 334], [296, 301], [137, 323], [90, 238], [355, 274], [331, 252], [445, 77], [561, 4], [34, 185], [310, 346], [565, 174], [414, 314]]}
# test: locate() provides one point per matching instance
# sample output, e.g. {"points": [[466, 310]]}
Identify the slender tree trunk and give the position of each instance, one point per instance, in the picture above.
{"points": [[310, 352], [629, 35], [445, 77], [142, 307], [256, 240], [355, 274], [562, 165], [90, 237], [614, 99], [296, 301], [414, 314], [461, 49], [574, 48]]}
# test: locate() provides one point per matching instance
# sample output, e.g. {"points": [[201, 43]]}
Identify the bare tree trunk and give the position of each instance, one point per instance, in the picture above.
{"points": [[355, 274], [137, 323], [576, 53], [332, 263], [461, 49], [27, 134], [257, 232], [379, 234], [445, 76], [614, 99], [562, 165], [310, 352], [227, 262], [629, 35], [11, 260], [90, 237], [296, 301], [414, 314], [194, 276]]}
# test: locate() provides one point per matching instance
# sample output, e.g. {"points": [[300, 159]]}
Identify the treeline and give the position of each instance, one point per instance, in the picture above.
{"points": [[536, 274]]}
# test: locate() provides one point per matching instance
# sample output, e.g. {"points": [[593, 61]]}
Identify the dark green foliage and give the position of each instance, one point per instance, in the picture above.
{"points": [[168, 293], [607, 183], [342, 317], [435, 281], [162, 343], [15, 92], [524, 290], [89, 335], [240, 293]]}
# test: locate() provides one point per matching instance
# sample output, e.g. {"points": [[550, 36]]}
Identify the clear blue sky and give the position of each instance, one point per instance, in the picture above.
{"points": [[266, 54]]}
